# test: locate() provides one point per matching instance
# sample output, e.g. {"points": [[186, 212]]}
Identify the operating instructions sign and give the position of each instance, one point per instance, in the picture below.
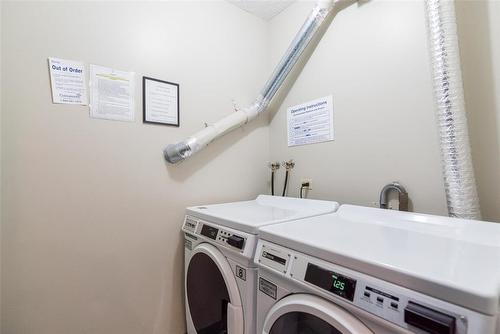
{"points": [[311, 122]]}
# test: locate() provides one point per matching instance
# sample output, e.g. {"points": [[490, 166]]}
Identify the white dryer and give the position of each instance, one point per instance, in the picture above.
{"points": [[220, 276], [363, 270]]}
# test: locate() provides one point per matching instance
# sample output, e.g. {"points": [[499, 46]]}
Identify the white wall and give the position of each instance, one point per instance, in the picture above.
{"points": [[374, 61], [479, 32], [1, 163], [91, 229]]}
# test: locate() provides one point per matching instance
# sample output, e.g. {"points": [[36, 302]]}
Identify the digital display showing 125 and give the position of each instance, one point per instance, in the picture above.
{"points": [[336, 283]]}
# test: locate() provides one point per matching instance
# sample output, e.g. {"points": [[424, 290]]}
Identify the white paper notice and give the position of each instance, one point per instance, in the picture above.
{"points": [[311, 122], [67, 80], [161, 102], [112, 94]]}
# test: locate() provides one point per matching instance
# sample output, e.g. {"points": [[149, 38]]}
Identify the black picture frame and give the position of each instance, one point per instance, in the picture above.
{"points": [[144, 120]]}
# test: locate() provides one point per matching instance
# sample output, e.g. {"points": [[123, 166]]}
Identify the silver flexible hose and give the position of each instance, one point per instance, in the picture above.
{"points": [[458, 171], [181, 150]]}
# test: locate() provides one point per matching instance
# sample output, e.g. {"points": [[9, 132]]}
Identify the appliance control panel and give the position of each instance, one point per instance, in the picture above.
{"points": [[403, 307], [379, 298], [217, 234], [274, 257]]}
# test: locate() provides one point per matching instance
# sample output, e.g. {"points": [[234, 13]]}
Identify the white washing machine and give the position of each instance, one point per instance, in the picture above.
{"points": [[363, 270], [220, 276]]}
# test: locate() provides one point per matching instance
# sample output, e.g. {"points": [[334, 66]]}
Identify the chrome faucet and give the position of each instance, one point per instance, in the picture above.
{"points": [[403, 196]]}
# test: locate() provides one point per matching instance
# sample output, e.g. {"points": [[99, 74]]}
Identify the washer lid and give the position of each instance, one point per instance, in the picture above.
{"points": [[450, 259], [248, 216]]}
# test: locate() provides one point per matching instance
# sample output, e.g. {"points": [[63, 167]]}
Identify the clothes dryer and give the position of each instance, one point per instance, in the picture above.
{"points": [[363, 270], [220, 276]]}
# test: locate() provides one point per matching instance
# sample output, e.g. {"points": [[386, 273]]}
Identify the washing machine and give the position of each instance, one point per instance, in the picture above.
{"points": [[220, 275], [364, 270]]}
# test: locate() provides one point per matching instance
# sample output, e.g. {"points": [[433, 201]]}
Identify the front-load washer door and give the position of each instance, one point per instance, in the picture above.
{"points": [[212, 293], [307, 314]]}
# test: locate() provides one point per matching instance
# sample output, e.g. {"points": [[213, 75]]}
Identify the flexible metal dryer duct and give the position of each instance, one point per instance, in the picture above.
{"points": [[458, 172], [181, 150]]}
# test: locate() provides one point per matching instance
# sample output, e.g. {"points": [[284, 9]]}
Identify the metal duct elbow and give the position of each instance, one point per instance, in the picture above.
{"points": [[174, 153], [458, 172]]}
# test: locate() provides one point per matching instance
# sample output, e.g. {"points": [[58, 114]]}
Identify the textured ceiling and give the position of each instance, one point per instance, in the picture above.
{"points": [[265, 9]]}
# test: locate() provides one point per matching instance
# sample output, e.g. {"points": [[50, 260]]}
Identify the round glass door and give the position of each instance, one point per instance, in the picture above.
{"points": [[302, 323], [308, 314], [207, 295], [212, 293]]}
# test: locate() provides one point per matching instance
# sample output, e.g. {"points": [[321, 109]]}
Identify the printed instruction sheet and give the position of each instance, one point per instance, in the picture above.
{"points": [[67, 80], [112, 94], [311, 122]]}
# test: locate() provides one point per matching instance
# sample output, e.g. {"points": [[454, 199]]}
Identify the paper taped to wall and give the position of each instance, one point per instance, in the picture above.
{"points": [[112, 94], [67, 80], [311, 122]]}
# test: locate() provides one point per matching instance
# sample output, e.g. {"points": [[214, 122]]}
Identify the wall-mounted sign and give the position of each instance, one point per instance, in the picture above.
{"points": [[160, 101], [311, 122], [112, 94], [67, 80]]}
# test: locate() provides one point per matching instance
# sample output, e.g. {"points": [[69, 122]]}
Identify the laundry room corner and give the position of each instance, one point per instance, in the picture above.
{"points": [[91, 213], [250, 167], [373, 61], [479, 33], [375, 64]]}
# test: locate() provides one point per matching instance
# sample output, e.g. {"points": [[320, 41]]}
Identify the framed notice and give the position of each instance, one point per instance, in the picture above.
{"points": [[160, 101]]}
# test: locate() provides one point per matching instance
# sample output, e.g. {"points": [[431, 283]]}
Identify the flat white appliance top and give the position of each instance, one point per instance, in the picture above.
{"points": [[248, 216], [450, 259]]}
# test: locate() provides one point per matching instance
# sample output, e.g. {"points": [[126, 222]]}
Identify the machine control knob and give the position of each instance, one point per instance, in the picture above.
{"points": [[236, 241]]}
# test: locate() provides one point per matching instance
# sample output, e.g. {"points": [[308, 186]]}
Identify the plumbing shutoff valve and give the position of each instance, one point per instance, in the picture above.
{"points": [[288, 164], [274, 166]]}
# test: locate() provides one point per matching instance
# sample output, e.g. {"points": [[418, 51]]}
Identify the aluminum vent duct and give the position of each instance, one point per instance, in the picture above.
{"points": [[458, 172], [184, 149]]}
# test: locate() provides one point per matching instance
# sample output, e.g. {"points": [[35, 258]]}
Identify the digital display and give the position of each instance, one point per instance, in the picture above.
{"points": [[209, 231], [336, 283]]}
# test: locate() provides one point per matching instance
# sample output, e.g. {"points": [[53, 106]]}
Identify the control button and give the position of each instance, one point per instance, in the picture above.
{"points": [[394, 305], [380, 299], [367, 294], [235, 241]]}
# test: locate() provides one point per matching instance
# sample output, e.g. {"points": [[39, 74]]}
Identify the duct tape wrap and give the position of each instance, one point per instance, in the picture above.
{"points": [[458, 172]]}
